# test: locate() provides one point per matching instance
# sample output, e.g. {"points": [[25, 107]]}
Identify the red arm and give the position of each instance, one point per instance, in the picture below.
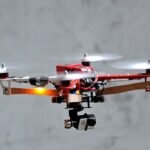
{"points": [[122, 76], [124, 88]]}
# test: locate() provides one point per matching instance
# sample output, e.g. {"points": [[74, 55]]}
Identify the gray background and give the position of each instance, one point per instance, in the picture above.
{"points": [[35, 35]]}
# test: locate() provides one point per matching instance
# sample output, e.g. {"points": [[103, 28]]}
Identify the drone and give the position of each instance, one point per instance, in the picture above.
{"points": [[79, 85]]}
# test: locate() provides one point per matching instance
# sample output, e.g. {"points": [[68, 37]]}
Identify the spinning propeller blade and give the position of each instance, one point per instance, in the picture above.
{"points": [[132, 64], [72, 76], [100, 57]]}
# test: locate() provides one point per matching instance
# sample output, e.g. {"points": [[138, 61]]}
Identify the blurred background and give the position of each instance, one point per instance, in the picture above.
{"points": [[35, 35]]}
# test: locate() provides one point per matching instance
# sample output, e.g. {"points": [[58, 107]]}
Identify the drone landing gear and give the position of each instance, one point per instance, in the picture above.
{"points": [[80, 122], [98, 98], [85, 121], [58, 99]]}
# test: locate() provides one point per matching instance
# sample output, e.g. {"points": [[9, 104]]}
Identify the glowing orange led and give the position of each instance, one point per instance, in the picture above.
{"points": [[40, 90], [35, 91]]}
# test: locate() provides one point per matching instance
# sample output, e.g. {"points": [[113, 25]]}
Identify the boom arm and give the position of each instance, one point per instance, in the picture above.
{"points": [[123, 76], [34, 91], [125, 88], [39, 82], [42, 81]]}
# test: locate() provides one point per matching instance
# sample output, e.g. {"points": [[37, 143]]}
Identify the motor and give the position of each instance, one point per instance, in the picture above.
{"points": [[39, 81], [3, 72]]}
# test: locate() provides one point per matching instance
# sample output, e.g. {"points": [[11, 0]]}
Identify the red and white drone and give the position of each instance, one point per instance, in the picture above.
{"points": [[76, 84]]}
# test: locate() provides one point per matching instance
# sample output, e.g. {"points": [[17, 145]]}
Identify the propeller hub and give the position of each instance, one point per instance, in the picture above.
{"points": [[85, 54], [85, 61]]}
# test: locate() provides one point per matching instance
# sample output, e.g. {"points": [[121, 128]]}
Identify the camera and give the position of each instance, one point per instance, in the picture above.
{"points": [[80, 122]]}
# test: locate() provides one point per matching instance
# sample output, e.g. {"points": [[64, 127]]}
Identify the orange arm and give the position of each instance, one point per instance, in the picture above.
{"points": [[34, 91], [126, 88]]}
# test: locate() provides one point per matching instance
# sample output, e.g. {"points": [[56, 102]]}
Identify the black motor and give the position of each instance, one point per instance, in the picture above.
{"points": [[3, 71], [39, 81]]}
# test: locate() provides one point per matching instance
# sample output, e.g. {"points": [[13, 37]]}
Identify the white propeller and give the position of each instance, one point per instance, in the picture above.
{"points": [[72, 76], [132, 64], [100, 57]]}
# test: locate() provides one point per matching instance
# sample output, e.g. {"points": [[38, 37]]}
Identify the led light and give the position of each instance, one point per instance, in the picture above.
{"points": [[40, 90], [35, 91]]}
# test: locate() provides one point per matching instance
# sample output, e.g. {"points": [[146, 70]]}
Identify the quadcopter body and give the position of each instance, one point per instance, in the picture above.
{"points": [[79, 85]]}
